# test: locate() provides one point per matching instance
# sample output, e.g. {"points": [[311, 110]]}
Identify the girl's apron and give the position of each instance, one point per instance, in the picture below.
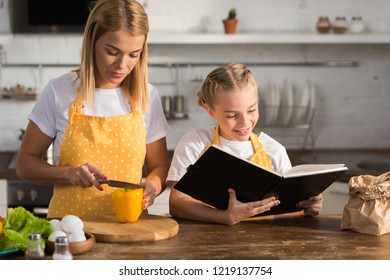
{"points": [[260, 157], [116, 145]]}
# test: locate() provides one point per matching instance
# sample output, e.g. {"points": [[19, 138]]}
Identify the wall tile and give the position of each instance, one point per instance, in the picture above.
{"points": [[352, 102]]}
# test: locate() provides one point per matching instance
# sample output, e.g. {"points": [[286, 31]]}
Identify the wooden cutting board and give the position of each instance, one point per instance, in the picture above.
{"points": [[106, 228]]}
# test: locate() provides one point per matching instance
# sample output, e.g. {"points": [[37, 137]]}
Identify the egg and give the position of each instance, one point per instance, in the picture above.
{"points": [[56, 224], [77, 236], [71, 223], [55, 234]]}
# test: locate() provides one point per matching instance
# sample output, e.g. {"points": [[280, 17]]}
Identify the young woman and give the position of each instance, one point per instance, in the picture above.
{"points": [[229, 95], [104, 119]]}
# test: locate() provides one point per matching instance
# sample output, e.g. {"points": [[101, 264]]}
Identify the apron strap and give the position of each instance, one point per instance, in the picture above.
{"points": [[260, 157], [75, 110]]}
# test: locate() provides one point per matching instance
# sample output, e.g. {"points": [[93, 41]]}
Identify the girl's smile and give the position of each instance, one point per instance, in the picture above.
{"points": [[236, 113]]}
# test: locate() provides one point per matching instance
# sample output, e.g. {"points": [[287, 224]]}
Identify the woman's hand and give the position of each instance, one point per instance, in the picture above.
{"points": [[150, 194], [237, 211], [85, 175], [312, 206]]}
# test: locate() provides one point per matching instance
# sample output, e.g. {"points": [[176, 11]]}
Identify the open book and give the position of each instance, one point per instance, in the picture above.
{"points": [[216, 170]]}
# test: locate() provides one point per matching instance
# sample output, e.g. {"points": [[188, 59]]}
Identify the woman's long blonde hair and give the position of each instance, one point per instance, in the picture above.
{"points": [[225, 78], [114, 15]]}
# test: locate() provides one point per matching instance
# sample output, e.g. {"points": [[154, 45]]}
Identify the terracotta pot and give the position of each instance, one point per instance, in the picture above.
{"points": [[230, 25]]}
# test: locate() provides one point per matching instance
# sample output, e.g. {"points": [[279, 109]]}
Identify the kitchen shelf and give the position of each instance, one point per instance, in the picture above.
{"points": [[22, 97], [255, 37], [155, 38], [339, 63]]}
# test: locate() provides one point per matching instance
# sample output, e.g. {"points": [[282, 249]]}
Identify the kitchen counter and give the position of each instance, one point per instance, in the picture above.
{"points": [[350, 157], [286, 238]]}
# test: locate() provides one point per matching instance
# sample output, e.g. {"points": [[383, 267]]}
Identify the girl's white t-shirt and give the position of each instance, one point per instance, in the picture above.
{"points": [[50, 113], [193, 143]]}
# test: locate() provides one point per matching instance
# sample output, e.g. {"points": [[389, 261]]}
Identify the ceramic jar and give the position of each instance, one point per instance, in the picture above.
{"points": [[323, 25], [340, 25], [357, 25]]}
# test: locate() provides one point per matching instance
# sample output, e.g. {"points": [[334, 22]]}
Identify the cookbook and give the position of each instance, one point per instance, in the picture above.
{"points": [[209, 178]]}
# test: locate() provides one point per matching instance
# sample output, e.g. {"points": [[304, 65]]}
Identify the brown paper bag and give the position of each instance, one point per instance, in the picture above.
{"points": [[368, 207]]}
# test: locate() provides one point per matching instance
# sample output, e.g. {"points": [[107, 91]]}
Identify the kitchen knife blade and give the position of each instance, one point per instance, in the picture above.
{"points": [[119, 184]]}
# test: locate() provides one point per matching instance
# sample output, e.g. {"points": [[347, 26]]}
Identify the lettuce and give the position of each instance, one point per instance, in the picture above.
{"points": [[18, 225]]}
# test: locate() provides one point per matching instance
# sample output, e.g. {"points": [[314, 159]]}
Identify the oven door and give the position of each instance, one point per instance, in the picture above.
{"points": [[34, 198]]}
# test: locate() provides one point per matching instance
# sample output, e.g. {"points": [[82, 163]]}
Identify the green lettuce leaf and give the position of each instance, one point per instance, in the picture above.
{"points": [[18, 225]]}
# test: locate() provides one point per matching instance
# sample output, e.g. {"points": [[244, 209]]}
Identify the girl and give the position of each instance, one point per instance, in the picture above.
{"points": [[229, 95]]}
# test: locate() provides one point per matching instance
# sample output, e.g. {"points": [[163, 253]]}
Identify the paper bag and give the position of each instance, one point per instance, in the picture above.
{"points": [[368, 207]]}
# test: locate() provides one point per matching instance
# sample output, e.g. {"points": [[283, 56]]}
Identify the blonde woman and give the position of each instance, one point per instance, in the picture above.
{"points": [[104, 119], [229, 95]]}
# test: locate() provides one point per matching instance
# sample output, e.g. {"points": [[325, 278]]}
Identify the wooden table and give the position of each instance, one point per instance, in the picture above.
{"points": [[287, 238]]}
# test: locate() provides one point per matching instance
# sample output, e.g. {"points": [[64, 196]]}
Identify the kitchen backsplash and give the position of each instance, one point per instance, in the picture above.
{"points": [[352, 105]]}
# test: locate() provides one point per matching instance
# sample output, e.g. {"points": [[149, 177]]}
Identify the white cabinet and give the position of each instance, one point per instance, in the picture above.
{"points": [[5, 38], [335, 198], [5, 29], [161, 204], [3, 198]]}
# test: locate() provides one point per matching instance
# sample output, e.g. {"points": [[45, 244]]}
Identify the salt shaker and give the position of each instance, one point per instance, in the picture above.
{"points": [[61, 249], [34, 247]]}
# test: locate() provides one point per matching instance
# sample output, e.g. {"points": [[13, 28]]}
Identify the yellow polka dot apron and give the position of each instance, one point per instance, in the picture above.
{"points": [[260, 157], [116, 145]]}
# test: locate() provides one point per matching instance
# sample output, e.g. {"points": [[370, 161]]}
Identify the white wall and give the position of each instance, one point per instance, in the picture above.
{"points": [[262, 15], [353, 103]]}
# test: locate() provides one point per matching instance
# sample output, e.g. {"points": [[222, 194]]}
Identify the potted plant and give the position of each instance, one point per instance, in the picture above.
{"points": [[230, 23]]}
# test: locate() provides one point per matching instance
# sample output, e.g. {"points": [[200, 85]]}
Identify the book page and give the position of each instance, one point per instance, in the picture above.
{"points": [[307, 169]]}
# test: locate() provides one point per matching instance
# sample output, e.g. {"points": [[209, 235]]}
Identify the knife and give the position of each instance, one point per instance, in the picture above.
{"points": [[119, 184]]}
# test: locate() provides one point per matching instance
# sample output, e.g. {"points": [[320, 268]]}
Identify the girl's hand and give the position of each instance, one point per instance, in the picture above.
{"points": [[237, 211], [149, 194], [312, 206], [85, 175]]}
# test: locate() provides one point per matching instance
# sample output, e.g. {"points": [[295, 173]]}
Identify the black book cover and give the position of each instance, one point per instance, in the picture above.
{"points": [[215, 171]]}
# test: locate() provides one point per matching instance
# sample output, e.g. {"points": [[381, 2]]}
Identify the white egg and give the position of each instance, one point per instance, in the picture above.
{"points": [[55, 234], [77, 236], [72, 223], [56, 224]]}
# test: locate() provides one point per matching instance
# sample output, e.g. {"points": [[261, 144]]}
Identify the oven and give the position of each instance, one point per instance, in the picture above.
{"points": [[33, 197]]}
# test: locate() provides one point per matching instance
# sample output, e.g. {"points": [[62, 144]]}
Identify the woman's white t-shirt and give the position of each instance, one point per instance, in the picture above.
{"points": [[50, 113]]}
